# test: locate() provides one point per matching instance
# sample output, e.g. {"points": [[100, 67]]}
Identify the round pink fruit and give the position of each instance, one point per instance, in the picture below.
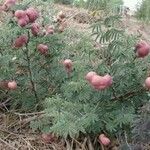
{"points": [[147, 83], [35, 29], [42, 48], [12, 85], [90, 75], [20, 14], [104, 140], [20, 41], [32, 14], [142, 49]]}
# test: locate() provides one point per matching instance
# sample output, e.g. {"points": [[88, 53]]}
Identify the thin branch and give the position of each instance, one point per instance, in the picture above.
{"points": [[4, 103], [6, 143], [128, 95], [80, 144], [89, 143], [126, 140], [30, 70], [28, 144], [30, 114], [114, 93]]}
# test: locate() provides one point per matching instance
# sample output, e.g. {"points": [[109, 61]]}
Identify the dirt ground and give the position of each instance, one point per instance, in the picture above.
{"points": [[15, 133], [132, 25]]}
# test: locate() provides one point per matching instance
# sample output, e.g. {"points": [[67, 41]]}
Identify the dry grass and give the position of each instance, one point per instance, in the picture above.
{"points": [[15, 134]]}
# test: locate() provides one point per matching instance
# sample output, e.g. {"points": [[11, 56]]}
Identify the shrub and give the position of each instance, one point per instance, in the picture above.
{"points": [[80, 108], [56, 67], [32, 67]]}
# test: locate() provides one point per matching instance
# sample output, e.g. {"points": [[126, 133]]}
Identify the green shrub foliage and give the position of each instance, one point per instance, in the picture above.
{"points": [[34, 72], [72, 105], [80, 108], [143, 12]]}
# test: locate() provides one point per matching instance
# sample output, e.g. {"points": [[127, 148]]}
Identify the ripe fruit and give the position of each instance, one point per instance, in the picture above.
{"points": [[48, 138], [22, 22], [90, 75], [100, 87], [108, 79], [147, 83], [32, 14], [142, 49], [97, 81], [50, 30], [104, 140], [43, 49], [20, 41], [23, 19], [20, 14], [12, 85], [68, 65], [35, 29]]}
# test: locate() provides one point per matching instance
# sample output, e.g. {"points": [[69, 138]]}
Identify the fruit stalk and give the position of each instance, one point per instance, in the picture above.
{"points": [[29, 69]]}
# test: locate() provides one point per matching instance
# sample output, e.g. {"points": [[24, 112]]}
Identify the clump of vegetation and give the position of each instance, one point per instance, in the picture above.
{"points": [[82, 87], [31, 45], [104, 88], [143, 12]]}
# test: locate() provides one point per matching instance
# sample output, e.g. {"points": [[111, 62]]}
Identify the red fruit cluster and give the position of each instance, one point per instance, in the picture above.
{"points": [[22, 17], [20, 41], [99, 82], [35, 29], [50, 30], [26, 16], [68, 65], [142, 49], [32, 14], [104, 140], [43, 49]]}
